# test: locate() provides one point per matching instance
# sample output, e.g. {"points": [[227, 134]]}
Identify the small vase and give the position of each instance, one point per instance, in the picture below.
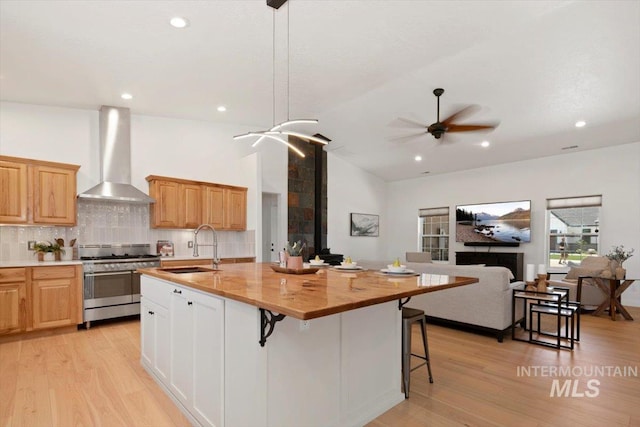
{"points": [[40, 256], [620, 273], [49, 256], [294, 262], [68, 253]]}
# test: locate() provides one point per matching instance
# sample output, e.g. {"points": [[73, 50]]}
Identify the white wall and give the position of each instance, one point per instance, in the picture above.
{"points": [[613, 172], [353, 190]]}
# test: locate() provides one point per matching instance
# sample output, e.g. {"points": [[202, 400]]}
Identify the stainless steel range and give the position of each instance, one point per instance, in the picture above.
{"points": [[111, 284]]}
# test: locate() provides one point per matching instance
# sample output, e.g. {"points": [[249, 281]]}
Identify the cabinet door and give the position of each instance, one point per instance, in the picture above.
{"points": [[165, 210], [13, 193], [55, 293], [154, 339], [181, 333], [208, 344], [13, 307], [54, 195], [236, 209], [213, 206], [190, 206]]}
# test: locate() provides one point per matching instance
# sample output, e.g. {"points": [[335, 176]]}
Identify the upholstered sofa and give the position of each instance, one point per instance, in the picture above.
{"points": [[485, 305]]}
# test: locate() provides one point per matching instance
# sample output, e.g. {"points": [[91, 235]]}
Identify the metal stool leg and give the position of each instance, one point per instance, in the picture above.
{"points": [[406, 355], [425, 343]]}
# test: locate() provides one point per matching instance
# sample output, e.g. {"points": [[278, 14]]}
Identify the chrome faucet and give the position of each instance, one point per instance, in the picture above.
{"points": [[216, 261]]}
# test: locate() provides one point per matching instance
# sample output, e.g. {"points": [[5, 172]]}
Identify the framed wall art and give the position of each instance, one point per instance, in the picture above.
{"points": [[365, 225]]}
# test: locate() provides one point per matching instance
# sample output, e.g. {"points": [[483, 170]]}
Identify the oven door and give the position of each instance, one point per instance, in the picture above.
{"points": [[109, 288]]}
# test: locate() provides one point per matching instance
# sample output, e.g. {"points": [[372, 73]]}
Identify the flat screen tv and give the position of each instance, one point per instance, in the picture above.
{"points": [[502, 222]]}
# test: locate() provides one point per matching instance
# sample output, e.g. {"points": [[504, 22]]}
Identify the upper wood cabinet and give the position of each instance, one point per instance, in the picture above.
{"points": [[187, 204], [37, 192]]}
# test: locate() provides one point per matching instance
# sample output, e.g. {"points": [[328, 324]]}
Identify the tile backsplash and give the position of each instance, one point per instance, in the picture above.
{"points": [[107, 223]]}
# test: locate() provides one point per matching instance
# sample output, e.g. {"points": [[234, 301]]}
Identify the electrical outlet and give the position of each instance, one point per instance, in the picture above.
{"points": [[31, 245], [190, 244], [304, 325]]}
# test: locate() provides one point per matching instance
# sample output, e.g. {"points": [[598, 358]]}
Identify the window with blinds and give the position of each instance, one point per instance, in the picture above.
{"points": [[434, 232], [573, 229]]}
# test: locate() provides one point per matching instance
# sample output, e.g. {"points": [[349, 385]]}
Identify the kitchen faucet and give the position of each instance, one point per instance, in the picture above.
{"points": [[216, 261]]}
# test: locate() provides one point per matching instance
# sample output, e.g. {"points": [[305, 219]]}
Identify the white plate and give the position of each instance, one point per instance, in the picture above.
{"points": [[317, 264], [347, 267], [405, 272]]}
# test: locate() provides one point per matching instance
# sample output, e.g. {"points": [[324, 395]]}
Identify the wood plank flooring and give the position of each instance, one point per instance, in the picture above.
{"points": [[94, 378]]}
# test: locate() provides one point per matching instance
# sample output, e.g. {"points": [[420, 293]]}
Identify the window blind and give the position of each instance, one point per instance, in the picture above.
{"points": [[433, 212], [574, 202]]}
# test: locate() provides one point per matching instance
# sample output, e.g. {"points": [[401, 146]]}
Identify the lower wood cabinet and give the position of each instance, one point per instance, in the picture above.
{"points": [[56, 296], [34, 298], [194, 341], [13, 300]]}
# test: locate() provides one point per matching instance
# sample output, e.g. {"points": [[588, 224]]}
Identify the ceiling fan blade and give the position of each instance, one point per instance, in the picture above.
{"points": [[466, 111], [469, 128], [407, 138], [407, 123]]}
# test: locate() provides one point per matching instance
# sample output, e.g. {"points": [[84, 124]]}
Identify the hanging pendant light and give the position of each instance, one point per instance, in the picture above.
{"points": [[279, 132]]}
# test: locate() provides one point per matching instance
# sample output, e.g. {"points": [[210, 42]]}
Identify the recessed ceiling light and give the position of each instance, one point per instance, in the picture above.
{"points": [[580, 123], [222, 108], [485, 144], [126, 96], [179, 22], [418, 158]]}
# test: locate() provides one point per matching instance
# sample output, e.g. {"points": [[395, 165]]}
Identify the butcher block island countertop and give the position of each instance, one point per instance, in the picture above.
{"points": [[235, 346], [308, 296]]}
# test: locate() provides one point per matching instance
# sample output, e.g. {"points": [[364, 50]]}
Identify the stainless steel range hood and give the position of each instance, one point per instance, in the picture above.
{"points": [[115, 159]]}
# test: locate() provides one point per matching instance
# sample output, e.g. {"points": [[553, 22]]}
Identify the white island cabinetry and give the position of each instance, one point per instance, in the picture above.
{"points": [[185, 349]]}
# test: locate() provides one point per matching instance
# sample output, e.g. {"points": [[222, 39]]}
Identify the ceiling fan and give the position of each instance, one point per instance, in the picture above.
{"points": [[439, 128]]}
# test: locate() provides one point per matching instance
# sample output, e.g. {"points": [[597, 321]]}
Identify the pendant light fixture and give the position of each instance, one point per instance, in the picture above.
{"points": [[279, 132]]}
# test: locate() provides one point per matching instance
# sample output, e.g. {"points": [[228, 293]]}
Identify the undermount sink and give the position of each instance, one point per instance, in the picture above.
{"points": [[186, 270]]}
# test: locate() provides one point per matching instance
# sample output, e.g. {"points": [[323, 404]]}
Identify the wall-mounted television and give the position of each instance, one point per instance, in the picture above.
{"points": [[494, 223]]}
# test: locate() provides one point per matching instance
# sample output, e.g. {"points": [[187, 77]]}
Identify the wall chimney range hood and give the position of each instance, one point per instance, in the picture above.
{"points": [[115, 159]]}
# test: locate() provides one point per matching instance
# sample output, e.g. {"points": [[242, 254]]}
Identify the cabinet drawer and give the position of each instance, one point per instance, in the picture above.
{"points": [[155, 290], [62, 272], [12, 274]]}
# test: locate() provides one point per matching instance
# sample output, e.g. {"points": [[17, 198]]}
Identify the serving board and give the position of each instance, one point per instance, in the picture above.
{"points": [[294, 270]]}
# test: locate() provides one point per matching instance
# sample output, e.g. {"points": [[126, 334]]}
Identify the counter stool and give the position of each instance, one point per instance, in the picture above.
{"points": [[409, 317]]}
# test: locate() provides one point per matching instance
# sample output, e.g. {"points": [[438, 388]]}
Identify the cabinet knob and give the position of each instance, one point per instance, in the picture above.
{"points": [[189, 302], [177, 291], [151, 312]]}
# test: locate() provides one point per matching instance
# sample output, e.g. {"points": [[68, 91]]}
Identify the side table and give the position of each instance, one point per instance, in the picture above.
{"points": [[613, 289], [557, 299]]}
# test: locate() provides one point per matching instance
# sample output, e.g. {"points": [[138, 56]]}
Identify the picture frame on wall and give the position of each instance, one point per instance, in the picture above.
{"points": [[367, 225]]}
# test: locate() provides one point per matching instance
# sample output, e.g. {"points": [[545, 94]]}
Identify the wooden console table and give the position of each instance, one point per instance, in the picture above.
{"points": [[613, 288]]}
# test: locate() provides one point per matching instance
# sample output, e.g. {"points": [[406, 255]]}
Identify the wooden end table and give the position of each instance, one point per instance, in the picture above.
{"points": [[613, 288]]}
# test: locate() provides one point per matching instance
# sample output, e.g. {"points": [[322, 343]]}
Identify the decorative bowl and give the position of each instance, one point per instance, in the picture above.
{"points": [[348, 264], [396, 269]]}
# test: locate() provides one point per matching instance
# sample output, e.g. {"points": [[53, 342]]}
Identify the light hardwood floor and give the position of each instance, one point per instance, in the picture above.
{"points": [[94, 378]]}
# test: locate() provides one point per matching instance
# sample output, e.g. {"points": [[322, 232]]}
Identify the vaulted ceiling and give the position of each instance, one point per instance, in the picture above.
{"points": [[357, 66]]}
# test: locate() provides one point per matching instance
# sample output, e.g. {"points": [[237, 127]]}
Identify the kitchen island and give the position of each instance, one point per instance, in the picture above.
{"points": [[247, 346]]}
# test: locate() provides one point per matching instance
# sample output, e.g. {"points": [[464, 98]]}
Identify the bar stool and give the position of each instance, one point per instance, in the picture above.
{"points": [[409, 317]]}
